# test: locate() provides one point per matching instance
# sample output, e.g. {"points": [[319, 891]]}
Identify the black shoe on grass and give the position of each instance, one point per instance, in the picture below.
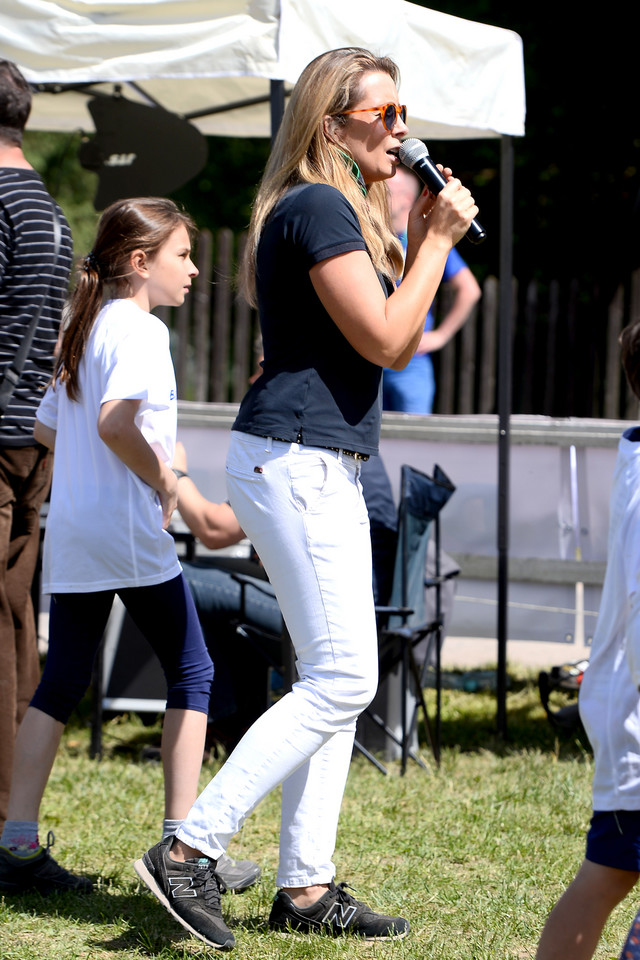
{"points": [[38, 872], [190, 891], [336, 913]]}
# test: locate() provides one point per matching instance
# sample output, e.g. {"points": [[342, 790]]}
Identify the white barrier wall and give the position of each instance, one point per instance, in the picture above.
{"points": [[561, 474]]}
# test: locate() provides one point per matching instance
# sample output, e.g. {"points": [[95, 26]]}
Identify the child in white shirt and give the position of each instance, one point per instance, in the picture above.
{"points": [[111, 414], [610, 710]]}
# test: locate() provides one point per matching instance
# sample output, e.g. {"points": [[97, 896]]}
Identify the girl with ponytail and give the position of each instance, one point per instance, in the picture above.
{"points": [[111, 415]]}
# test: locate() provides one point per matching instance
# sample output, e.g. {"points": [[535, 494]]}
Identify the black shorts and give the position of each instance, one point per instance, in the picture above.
{"points": [[613, 839]]}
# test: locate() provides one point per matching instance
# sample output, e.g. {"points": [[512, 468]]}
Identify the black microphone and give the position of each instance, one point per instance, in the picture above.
{"points": [[414, 154]]}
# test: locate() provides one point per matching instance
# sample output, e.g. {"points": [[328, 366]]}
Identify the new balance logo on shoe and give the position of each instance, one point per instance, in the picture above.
{"points": [[182, 887], [340, 915]]}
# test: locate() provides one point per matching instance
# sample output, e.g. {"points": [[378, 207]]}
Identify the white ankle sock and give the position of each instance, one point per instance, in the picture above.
{"points": [[169, 827]]}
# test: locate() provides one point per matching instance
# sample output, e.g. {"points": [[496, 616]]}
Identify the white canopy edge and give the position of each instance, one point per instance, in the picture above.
{"points": [[460, 79]]}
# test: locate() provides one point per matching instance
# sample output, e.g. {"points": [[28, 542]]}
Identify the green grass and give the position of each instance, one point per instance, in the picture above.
{"points": [[474, 854]]}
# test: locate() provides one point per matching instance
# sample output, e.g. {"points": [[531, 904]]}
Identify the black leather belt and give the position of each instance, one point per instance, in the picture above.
{"points": [[347, 453]]}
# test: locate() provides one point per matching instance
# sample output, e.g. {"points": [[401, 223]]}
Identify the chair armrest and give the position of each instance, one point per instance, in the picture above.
{"points": [[394, 611], [262, 585], [435, 581]]}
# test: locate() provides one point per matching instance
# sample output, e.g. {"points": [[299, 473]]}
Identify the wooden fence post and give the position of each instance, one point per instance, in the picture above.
{"points": [[444, 361], [467, 379], [487, 392], [183, 347], [631, 411], [201, 314], [612, 368], [552, 348], [243, 359], [527, 358], [221, 327]]}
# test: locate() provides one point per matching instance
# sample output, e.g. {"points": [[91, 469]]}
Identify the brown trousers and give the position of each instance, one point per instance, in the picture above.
{"points": [[25, 476]]}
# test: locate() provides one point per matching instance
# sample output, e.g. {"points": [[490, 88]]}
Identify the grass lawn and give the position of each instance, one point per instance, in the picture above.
{"points": [[474, 854]]}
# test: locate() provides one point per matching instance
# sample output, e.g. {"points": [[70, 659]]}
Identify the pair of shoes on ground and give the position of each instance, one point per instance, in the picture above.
{"points": [[38, 871], [191, 891]]}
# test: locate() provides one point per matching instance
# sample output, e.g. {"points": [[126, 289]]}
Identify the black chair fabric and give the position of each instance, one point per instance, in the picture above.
{"points": [[403, 624]]}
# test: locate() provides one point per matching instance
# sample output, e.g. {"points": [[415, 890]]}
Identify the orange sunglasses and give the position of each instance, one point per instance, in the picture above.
{"points": [[389, 112]]}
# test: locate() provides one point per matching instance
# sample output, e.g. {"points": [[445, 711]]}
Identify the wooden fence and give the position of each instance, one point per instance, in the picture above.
{"points": [[565, 346]]}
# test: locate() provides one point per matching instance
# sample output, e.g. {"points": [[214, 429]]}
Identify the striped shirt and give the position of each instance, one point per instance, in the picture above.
{"points": [[29, 277]]}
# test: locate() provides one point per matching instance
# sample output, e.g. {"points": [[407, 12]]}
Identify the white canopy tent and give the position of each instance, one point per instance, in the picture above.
{"points": [[224, 65], [197, 57]]}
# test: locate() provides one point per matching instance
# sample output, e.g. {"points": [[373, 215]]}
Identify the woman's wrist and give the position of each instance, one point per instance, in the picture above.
{"points": [[179, 473]]}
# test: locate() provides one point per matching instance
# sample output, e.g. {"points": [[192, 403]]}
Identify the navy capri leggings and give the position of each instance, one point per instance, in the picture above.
{"points": [[164, 613]]}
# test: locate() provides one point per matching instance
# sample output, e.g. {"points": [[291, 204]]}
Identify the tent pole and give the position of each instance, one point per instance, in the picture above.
{"points": [[276, 101], [504, 412]]}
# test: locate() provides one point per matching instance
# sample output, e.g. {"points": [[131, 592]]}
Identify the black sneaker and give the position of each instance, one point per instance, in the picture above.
{"points": [[336, 913], [38, 872], [190, 891], [237, 875]]}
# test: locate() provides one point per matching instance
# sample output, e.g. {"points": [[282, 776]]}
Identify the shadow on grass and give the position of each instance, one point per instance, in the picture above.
{"points": [[469, 724], [150, 929]]}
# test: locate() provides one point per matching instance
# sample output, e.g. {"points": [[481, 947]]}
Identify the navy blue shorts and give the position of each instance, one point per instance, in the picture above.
{"points": [[613, 839]]}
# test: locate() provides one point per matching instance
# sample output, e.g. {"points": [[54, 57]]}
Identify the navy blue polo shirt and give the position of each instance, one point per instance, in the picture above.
{"points": [[315, 388]]}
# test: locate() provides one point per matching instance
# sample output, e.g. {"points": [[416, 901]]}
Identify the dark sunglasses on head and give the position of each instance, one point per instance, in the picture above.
{"points": [[389, 113]]}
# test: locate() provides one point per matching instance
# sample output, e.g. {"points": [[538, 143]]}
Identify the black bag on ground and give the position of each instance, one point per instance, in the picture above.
{"points": [[567, 677]]}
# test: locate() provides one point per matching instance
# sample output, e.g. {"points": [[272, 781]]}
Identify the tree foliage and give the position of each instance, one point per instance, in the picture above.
{"points": [[577, 174], [55, 157]]}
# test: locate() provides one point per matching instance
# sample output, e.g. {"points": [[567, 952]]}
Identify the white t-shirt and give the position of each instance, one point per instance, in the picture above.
{"points": [[609, 699], [104, 527]]}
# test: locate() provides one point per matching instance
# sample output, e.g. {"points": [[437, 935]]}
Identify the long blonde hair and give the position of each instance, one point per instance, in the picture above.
{"points": [[302, 153]]}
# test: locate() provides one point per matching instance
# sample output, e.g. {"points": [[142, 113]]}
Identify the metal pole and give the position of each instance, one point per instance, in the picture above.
{"points": [[276, 102], [504, 412]]}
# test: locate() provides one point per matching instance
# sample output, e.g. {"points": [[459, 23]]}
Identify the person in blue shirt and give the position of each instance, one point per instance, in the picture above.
{"points": [[412, 390]]}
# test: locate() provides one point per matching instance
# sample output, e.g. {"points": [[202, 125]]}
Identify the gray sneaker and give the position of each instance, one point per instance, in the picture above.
{"points": [[38, 872], [237, 875], [190, 891]]}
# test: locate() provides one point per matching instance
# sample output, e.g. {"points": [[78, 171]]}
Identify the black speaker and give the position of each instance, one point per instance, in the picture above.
{"points": [[139, 150]]}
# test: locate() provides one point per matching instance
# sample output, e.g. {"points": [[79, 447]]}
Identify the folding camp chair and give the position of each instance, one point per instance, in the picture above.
{"points": [[403, 623], [275, 648], [285, 663]]}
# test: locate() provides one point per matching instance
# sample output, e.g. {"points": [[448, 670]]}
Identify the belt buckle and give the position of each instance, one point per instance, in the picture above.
{"points": [[349, 453], [356, 455]]}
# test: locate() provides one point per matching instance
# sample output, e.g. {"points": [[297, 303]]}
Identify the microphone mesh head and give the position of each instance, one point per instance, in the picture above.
{"points": [[412, 150]]}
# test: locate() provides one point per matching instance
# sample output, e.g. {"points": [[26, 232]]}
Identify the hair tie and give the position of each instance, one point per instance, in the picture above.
{"points": [[90, 262]]}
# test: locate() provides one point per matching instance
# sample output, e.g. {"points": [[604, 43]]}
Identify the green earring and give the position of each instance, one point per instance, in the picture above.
{"points": [[354, 169]]}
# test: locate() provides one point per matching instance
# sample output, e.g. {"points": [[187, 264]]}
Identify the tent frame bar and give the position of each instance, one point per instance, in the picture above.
{"points": [[276, 94], [505, 348]]}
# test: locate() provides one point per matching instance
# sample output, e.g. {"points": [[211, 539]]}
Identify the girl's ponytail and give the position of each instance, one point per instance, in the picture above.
{"points": [[80, 313]]}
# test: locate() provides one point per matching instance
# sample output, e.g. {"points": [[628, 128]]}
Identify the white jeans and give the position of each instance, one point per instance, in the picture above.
{"points": [[303, 510]]}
